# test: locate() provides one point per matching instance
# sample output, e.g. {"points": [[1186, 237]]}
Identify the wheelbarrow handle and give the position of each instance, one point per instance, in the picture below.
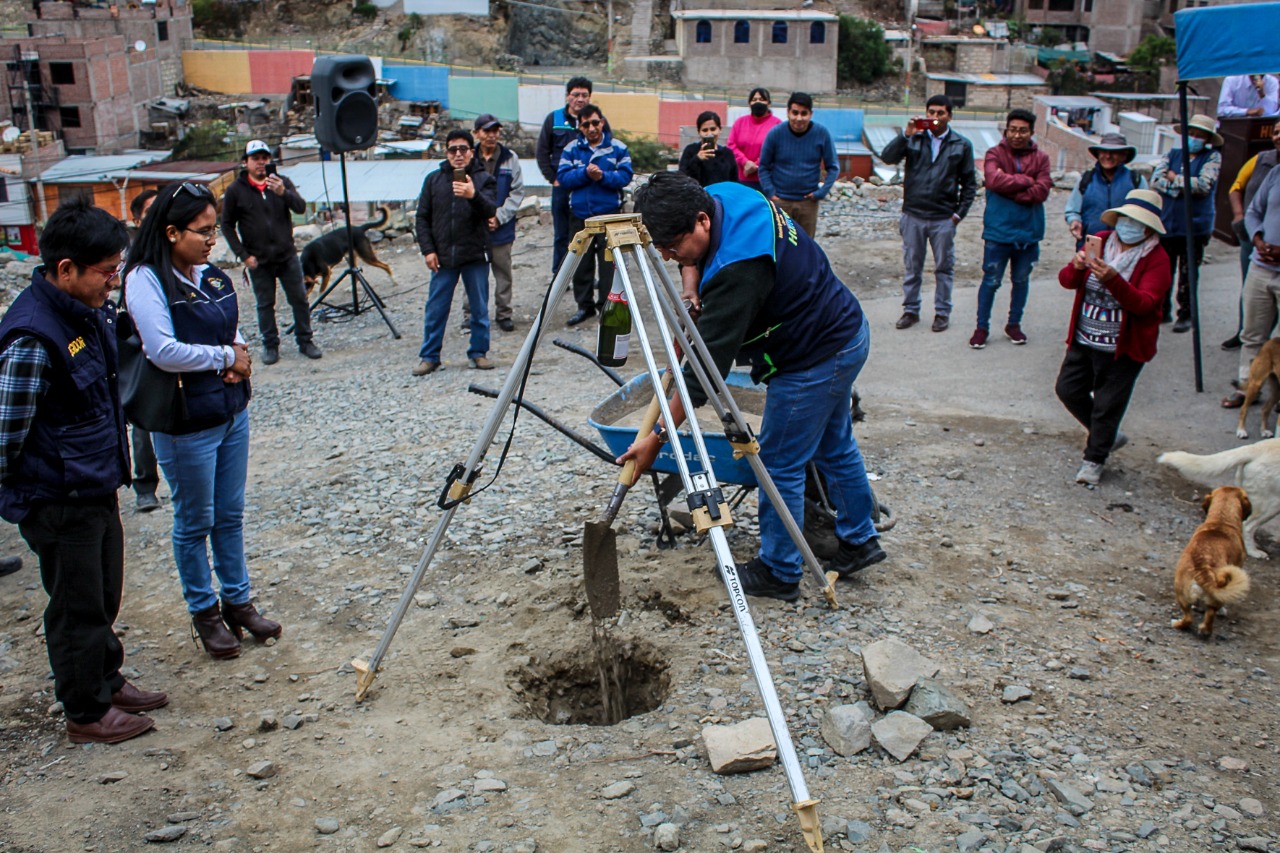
{"points": [[591, 357], [534, 410]]}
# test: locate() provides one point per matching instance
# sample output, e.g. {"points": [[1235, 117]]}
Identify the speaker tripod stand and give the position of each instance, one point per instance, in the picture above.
{"points": [[627, 239], [359, 283]]}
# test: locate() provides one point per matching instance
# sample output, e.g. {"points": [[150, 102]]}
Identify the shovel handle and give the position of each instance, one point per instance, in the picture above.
{"points": [[628, 474]]}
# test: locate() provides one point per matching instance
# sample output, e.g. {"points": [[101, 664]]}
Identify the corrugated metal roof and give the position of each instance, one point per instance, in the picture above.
{"points": [[1070, 102], [88, 169], [988, 79], [377, 180]]}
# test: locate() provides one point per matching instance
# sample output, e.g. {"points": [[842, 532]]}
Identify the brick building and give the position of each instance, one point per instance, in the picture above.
{"points": [[1105, 25], [92, 72]]}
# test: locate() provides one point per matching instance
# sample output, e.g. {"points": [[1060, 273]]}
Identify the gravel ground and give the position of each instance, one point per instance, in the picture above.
{"points": [[1094, 726]]}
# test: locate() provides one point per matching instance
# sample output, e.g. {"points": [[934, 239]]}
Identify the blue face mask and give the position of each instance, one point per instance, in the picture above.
{"points": [[1130, 231], [1194, 145]]}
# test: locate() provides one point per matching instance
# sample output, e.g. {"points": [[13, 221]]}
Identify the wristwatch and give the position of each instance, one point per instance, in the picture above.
{"points": [[661, 432]]}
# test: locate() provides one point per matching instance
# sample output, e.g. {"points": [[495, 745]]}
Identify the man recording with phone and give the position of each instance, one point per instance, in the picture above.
{"points": [[258, 204]]}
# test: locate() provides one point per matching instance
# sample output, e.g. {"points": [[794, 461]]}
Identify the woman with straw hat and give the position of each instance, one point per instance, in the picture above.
{"points": [[1114, 324], [1167, 179]]}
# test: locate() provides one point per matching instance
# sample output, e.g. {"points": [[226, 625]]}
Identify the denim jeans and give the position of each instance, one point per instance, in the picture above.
{"points": [[807, 417], [206, 472], [560, 214], [1021, 260], [475, 278]]}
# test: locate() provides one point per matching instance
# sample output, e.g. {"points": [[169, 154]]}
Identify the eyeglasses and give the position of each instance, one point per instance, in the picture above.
{"points": [[107, 274], [206, 234], [197, 190], [458, 149], [1018, 131], [595, 122]]}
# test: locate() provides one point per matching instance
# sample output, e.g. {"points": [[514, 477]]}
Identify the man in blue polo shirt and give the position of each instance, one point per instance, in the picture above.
{"points": [[768, 295]]}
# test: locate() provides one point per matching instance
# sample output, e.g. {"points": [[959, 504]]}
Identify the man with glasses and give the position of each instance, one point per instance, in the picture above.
{"points": [[454, 209], [63, 456], [1016, 175], [558, 130], [258, 203], [595, 169]]}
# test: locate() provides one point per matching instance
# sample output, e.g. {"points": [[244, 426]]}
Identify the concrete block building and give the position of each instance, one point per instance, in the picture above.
{"points": [[787, 50]]}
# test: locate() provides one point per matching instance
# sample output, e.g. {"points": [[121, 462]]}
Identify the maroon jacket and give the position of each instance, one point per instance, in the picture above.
{"points": [[1141, 300], [1027, 182]]}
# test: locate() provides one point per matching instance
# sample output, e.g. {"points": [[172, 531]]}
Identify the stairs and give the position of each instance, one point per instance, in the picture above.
{"points": [[641, 28]]}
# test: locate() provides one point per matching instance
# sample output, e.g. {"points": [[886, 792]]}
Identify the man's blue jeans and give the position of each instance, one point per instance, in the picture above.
{"points": [[560, 214], [1021, 260], [475, 278], [807, 417], [206, 471]]}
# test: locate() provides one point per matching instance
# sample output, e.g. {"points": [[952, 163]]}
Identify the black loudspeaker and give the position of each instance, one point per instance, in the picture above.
{"points": [[345, 89]]}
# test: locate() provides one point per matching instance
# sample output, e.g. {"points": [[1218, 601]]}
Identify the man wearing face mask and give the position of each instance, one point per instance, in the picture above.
{"points": [[1166, 179]]}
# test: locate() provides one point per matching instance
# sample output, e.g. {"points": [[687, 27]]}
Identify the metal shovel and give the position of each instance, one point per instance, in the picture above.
{"points": [[600, 540]]}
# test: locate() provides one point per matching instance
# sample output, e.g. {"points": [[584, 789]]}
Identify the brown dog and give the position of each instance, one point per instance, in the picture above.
{"points": [[1209, 570], [1265, 366]]}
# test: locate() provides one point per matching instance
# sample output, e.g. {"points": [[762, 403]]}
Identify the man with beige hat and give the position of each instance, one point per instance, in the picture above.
{"points": [[1102, 187], [1167, 179]]}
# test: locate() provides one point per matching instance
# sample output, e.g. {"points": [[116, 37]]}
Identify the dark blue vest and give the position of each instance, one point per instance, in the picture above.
{"points": [[208, 315], [1101, 195], [77, 447], [505, 233], [1172, 214], [810, 315]]}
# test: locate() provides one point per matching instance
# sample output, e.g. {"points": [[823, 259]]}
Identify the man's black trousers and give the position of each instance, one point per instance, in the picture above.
{"points": [[81, 551], [289, 274]]}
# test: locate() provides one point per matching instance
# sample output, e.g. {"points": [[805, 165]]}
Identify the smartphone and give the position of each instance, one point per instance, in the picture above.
{"points": [[708, 144], [1092, 247], [271, 168], [459, 176]]}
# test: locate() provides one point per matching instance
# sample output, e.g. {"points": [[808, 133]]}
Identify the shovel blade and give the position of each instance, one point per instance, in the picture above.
{"points": [[600, 569]]}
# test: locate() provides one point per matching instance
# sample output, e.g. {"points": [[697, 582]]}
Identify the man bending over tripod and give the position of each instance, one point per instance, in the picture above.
{"points": [[769, 294]]}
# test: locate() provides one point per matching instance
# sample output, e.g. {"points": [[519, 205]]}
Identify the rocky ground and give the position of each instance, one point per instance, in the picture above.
{"points": [[1045, 606]]}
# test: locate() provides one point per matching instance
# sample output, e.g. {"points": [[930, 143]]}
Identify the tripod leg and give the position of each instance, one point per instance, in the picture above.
{"points": [[366, 671], [377, 302]]}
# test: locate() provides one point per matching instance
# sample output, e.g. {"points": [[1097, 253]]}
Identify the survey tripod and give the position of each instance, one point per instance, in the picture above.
{"points": [[628, 241]]}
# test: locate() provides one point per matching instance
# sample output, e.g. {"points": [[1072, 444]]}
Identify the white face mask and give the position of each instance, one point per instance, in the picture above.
{"points": [[1130, 231]]}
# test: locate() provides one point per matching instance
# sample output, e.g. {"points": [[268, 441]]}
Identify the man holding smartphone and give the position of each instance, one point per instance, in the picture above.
{"points": [[258, 205]]}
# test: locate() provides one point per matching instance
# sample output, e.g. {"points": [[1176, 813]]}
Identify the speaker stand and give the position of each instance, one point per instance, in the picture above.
{"points": [[359, 283]]}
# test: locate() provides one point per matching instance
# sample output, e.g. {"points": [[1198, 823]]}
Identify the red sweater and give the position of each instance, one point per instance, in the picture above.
{"points": [[1141, 300]]}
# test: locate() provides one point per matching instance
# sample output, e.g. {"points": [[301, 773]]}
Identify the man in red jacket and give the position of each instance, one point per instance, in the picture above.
{"points": [[1016, 174], [1114, 324]]}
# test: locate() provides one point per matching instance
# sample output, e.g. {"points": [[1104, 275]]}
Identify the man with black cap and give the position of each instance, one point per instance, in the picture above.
{"points": [[1103, 187], [259, 202], [504, 166]]}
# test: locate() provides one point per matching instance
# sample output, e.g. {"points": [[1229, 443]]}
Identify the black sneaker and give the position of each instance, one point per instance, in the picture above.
{"points": [[758, 580], [270, 355], [310, 350], [148, 502], [851, 559]]}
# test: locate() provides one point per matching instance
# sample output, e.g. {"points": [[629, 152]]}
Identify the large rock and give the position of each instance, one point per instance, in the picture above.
{"points": [[846, 729], [899, 733], [892, 668], [932, 702], [741, 747]]}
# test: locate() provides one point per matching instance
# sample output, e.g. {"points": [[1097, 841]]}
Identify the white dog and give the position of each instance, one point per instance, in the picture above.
{"points": [[1256, 468]]}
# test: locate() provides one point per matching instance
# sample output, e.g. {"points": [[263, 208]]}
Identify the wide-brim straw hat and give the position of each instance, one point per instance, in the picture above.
{"points": [[1113, 142], [1141, 206], [1200, 121]]}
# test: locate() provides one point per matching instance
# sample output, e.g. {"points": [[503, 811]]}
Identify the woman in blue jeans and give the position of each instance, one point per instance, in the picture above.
{"points": [[186, 313]]}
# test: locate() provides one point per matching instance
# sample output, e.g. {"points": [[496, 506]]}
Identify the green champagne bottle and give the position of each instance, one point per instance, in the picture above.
{"points": [[614, 341]]}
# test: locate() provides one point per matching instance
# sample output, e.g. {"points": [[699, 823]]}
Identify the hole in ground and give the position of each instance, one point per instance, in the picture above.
{"points": [[599, 683]]}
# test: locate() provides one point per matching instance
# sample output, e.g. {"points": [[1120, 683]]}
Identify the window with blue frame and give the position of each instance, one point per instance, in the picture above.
{"points": [[779, 32], [742, 32]]}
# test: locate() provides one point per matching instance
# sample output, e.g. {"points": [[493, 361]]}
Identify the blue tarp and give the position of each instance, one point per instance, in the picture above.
{"points": [[844, 125], [1220, 41], [419, 82]]}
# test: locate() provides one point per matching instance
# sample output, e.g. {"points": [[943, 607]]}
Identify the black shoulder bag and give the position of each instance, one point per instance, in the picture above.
{"points": [[153, 399]]}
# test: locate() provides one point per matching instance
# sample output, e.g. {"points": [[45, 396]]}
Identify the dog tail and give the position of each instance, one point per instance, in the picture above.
{"points": [[1205, 469], [1231, 584], [379, 222]]}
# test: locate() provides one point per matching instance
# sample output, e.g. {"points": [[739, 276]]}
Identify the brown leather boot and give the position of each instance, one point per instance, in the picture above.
{"points": [[243, 617], [218, 641]]}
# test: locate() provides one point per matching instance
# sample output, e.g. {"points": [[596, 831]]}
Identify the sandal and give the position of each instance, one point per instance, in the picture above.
{"points": [[1234, 400]]}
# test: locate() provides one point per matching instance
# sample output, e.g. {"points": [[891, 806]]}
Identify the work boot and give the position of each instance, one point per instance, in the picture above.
{"points": [[219, 642], [907, 320], [243, 617], [131, 700], [270, 355], [759, 580], [851, 559], [310, 350]]}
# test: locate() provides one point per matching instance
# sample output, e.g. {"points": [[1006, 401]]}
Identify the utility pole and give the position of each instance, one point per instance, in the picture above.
{"points": [[35, 144], [609, 39]]}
